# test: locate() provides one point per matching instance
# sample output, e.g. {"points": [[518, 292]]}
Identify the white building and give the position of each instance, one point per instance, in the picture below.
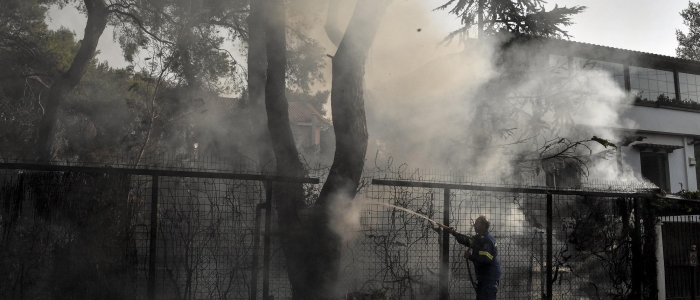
{"points": [[666, 140]]}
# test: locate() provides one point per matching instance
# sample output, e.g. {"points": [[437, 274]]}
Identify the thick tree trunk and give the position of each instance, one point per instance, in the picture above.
{"points": [[288, 162], [347, 101], [193, 90], [194, 83], [97, 13], [311, 248], [257, 63], [288, 197]]}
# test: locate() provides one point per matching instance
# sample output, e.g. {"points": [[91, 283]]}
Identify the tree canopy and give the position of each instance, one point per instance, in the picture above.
{"points": [[520, 17], [689, 44]]}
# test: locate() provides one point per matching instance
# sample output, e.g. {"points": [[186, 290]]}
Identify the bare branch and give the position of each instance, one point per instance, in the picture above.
{"points": [[140, 25]]}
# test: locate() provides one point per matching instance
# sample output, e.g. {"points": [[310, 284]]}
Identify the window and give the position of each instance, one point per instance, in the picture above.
{"points": [[616, 71], [690, 87], [697, 168], [655, 168], [649, 84]]}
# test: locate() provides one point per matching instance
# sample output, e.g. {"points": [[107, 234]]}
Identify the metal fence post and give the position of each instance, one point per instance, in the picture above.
{"points": [[549, 246], [153, 239], [637, 252], [256, 245], [692, 262], [266, 241], [693, 278], [445, 254]]}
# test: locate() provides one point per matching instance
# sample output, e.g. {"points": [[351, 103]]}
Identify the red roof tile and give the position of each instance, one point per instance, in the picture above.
{"points": [[302, 112]]}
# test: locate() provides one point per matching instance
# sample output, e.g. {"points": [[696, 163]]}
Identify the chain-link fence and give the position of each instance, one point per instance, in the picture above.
{"points": [[596, 233], [87, 232], [131, 233]]}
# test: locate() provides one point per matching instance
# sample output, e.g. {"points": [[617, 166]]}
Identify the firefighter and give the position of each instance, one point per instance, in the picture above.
{"points": [[484, 255]]}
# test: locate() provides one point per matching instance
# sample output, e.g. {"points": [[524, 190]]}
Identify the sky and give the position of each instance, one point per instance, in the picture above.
{"points": [[70, 18], [640, 25]]}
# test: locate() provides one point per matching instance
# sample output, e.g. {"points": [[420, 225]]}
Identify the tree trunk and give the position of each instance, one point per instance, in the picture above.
{"points": [[97, 13], [311, 248], [288, 197], [193, 90], [347, 101], [288, 162], [257, 63]]}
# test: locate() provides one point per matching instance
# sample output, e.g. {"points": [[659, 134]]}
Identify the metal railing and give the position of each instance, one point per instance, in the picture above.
{"points": [[197, 234], [549, 264], [156, 176]]}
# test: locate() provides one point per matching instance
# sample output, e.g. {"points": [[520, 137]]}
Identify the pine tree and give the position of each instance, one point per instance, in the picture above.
{"points": [[523, 17], [689, 44]]}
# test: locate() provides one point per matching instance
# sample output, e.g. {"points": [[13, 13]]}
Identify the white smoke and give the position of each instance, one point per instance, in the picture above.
{"points": [[428, 115], [423, 98], [345, 217]]}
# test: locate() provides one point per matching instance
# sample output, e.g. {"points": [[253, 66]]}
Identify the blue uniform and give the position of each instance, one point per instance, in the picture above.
{"points": [[487, 264]]}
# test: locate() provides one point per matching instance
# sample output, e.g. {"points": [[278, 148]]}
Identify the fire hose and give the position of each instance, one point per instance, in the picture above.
{"points": [[469, 268]]}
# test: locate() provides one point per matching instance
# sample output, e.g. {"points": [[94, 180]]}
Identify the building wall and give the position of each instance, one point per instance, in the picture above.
{"points": [[667, 127], [689, 151], [679, 169], [660, 120]]}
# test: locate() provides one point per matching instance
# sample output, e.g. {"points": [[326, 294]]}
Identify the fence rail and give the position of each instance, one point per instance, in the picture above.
{"points": [[156, 172], [522, 190]]}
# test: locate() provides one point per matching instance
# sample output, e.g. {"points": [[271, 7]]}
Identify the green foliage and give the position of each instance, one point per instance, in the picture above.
{"points": [[689, 44], [96, 115], [694, 195], [665, 100], [31, 55], [60, 48], [305, 62], [526, 17], [22, 17], [178, 61], [670, 207], [188, 37], [27, 46], [109, 112]]}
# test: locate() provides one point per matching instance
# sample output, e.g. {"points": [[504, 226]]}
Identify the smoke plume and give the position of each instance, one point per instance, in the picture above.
{"points": [[476, 106]]}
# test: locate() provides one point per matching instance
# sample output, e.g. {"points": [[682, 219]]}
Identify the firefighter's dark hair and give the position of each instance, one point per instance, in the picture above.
{"points": [[485, 221]]}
